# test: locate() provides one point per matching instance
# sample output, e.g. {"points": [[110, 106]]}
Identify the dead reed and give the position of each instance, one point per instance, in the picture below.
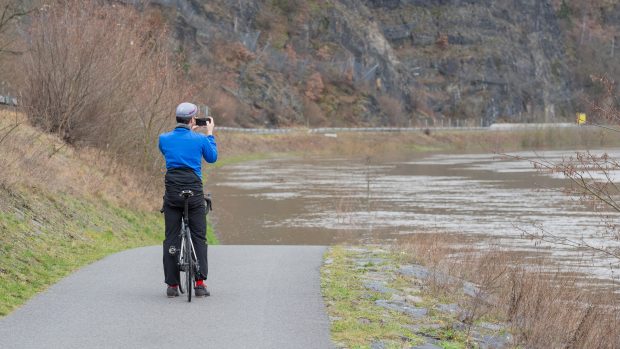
{"points": [[543, 306]]}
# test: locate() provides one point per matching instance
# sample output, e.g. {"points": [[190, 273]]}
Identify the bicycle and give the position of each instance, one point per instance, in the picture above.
{"points": [[187, 260]]}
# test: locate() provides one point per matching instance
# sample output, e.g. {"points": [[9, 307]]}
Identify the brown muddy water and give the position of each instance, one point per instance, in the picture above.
{"points": [[329, 201]]}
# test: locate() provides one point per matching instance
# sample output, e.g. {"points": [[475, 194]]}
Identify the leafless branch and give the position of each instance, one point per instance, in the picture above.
{"points": [[7, 133]]}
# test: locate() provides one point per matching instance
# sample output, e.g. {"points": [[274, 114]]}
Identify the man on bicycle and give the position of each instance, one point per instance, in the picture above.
{"points": [[184, 148]]}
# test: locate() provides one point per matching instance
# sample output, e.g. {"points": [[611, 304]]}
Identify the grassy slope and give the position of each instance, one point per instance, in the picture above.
{"points": [[60, 209], [46, 236]]}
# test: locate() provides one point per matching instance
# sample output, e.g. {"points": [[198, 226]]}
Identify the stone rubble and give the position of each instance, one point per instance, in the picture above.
{"points": [[408, 300]]}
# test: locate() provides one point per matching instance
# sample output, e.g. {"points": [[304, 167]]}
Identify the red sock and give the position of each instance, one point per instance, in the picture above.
{"points": [[174, 286], [200, 283]]}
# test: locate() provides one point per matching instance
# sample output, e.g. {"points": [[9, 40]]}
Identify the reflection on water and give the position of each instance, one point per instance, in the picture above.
{"points": [[337, 200]]}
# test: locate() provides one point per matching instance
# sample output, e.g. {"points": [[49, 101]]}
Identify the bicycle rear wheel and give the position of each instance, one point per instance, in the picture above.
{"points": [[180, 264], [190, 269], [180, 283]]}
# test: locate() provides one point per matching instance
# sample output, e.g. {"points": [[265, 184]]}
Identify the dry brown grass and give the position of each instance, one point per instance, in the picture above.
{"points": [[544, 308], [381, 145], [34, 159], [355, 145]]}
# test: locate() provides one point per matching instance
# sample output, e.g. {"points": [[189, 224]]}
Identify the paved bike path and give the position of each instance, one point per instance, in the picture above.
{"points": [[262, 297]]}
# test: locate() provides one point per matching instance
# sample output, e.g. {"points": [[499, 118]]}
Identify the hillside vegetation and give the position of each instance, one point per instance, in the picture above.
{"points": [[279, 63]]}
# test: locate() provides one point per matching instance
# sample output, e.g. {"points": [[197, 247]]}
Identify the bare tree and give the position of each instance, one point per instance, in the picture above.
{"points": [[11, 11], [592, 178], [102, 75]]}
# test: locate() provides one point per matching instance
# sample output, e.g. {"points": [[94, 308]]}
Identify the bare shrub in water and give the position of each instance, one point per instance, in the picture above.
{"points": [[543, 308], [548, 310], [592, 179]]}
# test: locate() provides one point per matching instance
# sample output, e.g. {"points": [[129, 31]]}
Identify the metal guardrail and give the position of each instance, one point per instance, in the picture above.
{"points": [[339, 129], [258, 130], [335, 130], [388, 129], [8, 100], [515, 126]]}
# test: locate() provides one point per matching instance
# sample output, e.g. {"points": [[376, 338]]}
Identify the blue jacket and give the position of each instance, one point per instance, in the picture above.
{"points": [[185, 148]]}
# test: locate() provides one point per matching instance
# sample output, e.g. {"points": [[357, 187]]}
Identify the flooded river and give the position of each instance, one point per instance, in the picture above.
{"points": [[327, 201]]}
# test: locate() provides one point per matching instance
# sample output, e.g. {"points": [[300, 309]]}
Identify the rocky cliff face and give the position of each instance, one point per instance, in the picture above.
{"points": [[492, 59], [377, 62]]}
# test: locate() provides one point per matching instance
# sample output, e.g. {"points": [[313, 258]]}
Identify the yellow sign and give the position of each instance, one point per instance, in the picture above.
{"points": [[581, 118]]}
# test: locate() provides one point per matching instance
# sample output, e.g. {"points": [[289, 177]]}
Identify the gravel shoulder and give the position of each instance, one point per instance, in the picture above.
{"points": [[262, 297]]}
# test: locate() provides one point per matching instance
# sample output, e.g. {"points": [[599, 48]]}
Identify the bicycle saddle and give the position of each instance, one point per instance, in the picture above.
{"points": [[187, 193]]}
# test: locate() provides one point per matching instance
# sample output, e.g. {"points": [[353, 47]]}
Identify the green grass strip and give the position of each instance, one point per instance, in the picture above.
{"points": [[45, 237]]}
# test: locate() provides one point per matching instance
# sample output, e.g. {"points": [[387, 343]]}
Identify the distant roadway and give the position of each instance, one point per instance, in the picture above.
{"points": [[262, 297], [336, 130]]}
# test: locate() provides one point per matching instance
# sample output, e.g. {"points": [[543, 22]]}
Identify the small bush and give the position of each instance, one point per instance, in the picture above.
{"points": [[313, 114], [393, 109], [287, 7], [442, 41], [565, 10], [314, 87]]}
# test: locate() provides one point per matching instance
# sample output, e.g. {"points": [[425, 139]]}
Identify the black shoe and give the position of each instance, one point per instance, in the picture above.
{"points": [[172, 292], [201, 291]]}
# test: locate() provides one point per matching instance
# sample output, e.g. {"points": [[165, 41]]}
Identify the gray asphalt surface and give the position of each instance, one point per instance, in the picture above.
{"points": [[262, 297]]}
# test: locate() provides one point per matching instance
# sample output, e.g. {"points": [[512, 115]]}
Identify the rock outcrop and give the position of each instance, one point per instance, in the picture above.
{"points": [[399, 62]]}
